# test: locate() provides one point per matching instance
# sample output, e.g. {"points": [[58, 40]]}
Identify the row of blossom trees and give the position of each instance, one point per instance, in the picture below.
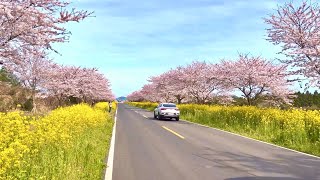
{"points": [[295, 28], [200, 82], [28, 30], [48, 79]]}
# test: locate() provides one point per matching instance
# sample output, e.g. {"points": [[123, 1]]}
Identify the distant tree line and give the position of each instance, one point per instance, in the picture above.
{"points": [[307, 99]]}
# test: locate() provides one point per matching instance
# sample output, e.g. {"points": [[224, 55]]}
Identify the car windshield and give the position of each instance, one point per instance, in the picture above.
{"points": [[169, 105]]}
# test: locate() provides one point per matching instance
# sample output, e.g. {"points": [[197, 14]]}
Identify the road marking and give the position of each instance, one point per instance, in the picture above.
{"points": [[274, 145], [145, 116], [173, 132], [109, 169]]}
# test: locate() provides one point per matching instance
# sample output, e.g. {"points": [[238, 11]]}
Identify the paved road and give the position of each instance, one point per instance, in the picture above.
{"points": [[148, 149]]}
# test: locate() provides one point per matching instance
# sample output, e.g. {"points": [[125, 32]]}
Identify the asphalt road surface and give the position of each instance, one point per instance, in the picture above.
{"points": [[150, 149]]}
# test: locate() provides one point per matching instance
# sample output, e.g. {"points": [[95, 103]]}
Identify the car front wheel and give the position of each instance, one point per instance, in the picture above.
{"points": [[177, 118], [154, 115]]}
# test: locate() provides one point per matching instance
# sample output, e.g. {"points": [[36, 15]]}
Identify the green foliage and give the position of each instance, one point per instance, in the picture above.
{"points": [[307, 100], [11, 92], [239, 101], [73, 100], [6, 76], [28, 105]]}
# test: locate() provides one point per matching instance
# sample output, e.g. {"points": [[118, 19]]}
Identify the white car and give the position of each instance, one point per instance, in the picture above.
{"points": [[166, 110]]}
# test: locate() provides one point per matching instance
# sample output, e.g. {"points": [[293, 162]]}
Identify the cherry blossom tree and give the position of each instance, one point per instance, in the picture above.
{"points": [[85, 84], [63, 82], [175, 85], [136, 96], [42, 76], [28, 30], [297, 30], [255, 77], [32, 72], [196, 82], [94, 86], [36, 23], [200, 81], [149, 92], [167, 86]]}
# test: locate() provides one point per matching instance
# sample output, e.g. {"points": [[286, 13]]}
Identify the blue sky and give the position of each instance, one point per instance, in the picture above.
{"points": [[130, 41]]}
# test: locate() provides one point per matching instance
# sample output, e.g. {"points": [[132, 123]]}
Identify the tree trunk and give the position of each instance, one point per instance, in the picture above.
{"points": [[34, 104], [249, 101], [179, 99], [60, 99]]}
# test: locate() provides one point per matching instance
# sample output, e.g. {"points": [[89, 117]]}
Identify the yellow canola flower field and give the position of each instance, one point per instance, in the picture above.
{"points": [[295, 128], [22, 137]]}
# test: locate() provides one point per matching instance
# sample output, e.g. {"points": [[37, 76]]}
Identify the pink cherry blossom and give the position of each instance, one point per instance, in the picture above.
{"points": [[297, 30], [36, 23], [255, 77]]}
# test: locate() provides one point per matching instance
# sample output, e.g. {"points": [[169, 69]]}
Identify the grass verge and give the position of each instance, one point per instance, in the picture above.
{"points": [[84, 159]]}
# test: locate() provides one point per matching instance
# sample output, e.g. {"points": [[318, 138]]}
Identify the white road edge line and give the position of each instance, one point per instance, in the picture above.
{"points": [[109, 168], [145, 116], [253, 139]]}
